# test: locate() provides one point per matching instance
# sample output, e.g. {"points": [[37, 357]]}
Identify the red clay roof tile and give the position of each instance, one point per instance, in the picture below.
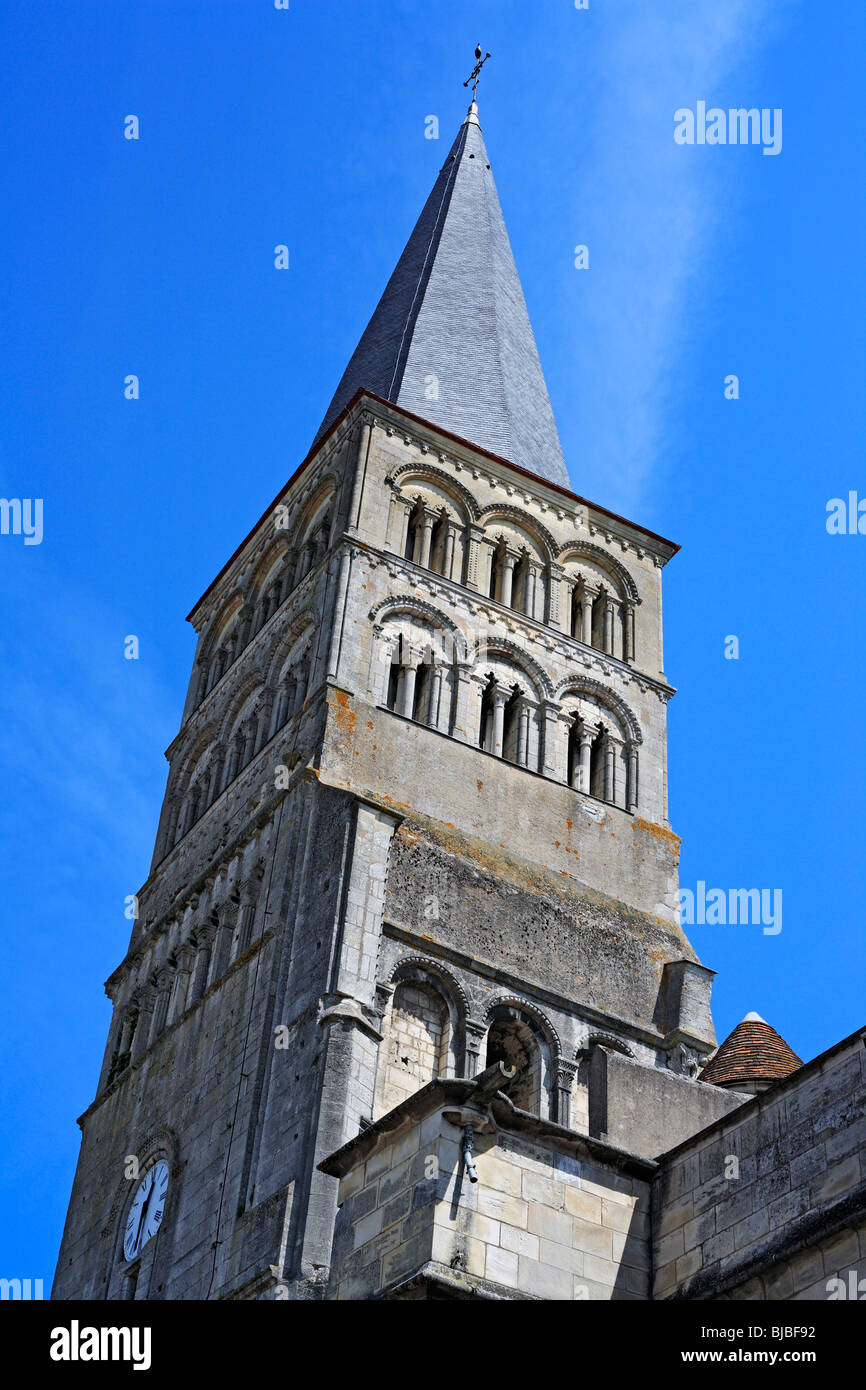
{"points": [[753, 1052]]}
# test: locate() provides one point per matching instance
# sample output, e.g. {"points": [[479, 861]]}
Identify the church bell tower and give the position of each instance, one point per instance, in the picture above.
{"points": [[416, 817]]}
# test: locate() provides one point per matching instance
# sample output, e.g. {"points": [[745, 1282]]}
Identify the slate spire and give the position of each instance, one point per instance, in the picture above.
{"points": [[451, 339]]}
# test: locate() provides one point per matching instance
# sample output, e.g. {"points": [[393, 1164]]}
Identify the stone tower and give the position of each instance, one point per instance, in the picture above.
{"points": [[416, 814]]}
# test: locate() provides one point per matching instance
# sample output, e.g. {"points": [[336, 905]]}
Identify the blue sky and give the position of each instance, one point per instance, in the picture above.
{"points": [[155, 257]]}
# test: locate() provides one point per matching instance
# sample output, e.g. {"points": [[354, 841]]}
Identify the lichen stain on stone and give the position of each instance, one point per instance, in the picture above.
{"points": [[404, 805], [664, 837], [344, 716]]}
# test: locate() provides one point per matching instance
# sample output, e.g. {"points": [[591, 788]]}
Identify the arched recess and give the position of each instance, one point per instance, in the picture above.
{"points": [[220, 646], [191, 759], [316, 508], [585, 686], [220, 624], [290, 669], [144, 1275], [311, 528], [413, 660], [197, 784], [268, 564], [524, 524], [240, 701], [607, 1040], [403, 481], [454, 643], [422, 1032], [503, 647], [428, 519], [515, 559], [520, 1036], [599, 599], [598, 752], [292, 642], [243, 730], [596, 555], [505, 703]]}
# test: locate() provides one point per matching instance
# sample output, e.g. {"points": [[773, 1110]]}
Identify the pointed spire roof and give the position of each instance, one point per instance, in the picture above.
{"points": [[754, 1052], [451, 339]]}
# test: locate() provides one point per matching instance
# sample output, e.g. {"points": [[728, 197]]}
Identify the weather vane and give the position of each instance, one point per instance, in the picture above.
{"points": [[476, 71]]}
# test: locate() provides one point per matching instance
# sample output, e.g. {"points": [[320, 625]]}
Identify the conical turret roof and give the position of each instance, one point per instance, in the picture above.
{"points": [[451, 339], [754, 1052]]}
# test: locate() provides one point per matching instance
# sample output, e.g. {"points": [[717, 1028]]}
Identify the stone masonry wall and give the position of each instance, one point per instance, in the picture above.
{"points": [[832, 1269], [541, 1221], [773, 1198]]}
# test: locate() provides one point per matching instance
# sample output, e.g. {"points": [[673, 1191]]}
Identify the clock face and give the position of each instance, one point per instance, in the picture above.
{"points": [[146, 1211]]}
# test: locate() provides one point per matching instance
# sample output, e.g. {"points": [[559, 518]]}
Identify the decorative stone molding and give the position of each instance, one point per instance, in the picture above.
{"points": [[525, 521], [609, 1040], [437, 475], [418, 966], [576, 549], [407, 603], [518, 655], [514, 1001], [585, 685]]}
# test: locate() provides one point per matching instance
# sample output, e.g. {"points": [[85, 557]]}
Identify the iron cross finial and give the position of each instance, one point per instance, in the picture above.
{"points": [[476, 71]]}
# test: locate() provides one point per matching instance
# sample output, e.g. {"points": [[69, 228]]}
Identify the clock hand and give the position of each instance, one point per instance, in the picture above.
{"points": [[147, 1205], [140, 1227]]}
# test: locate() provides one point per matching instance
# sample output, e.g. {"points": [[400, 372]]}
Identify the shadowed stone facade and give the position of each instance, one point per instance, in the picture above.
{"points": [[415, 831]]}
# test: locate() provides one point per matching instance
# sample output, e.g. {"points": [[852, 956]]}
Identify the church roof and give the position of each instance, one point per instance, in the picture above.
{"points": [[451, 339], [753, 1052]]}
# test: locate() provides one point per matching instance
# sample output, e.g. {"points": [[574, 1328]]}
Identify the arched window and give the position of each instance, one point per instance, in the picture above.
{"points": [[125, 1036], [598, 615], [323, 536], [577, 597], [602, 604], [497, 560], [312, 537], [486, 731], [222, 652], [521, 585], [439, 545], [587, 742], [423, 691], [413, 531], [302, 680], [417, 681], [511, 718], [393, 693], [601, 757], [412, 685], [507, 722]]}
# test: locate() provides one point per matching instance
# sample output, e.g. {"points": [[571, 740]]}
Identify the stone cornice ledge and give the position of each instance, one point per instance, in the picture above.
{"points": [[451, 1283], [456, 1091]]}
